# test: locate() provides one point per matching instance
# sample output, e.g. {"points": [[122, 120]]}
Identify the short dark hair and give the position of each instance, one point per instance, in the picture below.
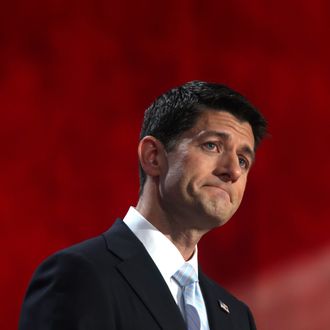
{"points": [[177, 110]]}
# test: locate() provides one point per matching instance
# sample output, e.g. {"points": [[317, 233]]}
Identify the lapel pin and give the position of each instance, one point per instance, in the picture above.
{"points": [[223, 306]]}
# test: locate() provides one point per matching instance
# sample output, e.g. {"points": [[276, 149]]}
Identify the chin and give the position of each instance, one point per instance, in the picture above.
{"points": [[219, 215], [215, 213], [212, 221], [220, 221]]}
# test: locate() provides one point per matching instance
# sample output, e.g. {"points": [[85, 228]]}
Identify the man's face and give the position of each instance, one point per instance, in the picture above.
{"points": [[204, 179]]}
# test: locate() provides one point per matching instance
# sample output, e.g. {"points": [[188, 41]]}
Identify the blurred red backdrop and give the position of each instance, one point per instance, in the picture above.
{"points": [[75, 78]]}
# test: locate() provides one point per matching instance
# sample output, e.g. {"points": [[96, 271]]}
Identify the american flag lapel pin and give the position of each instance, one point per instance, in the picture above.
{"points": [[223, 306]]}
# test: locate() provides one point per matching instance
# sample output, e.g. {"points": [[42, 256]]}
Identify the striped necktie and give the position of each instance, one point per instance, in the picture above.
{"points": [[194, 308]]}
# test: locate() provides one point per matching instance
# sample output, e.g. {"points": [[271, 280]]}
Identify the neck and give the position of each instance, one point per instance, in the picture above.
{"points": [[173, 227]]}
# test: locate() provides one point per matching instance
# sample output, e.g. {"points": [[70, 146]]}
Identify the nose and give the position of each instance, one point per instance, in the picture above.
{"points": [[228, 168]]}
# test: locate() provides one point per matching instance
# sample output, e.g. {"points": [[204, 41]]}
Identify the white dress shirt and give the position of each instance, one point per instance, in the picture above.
{"points": [[163, 252]]}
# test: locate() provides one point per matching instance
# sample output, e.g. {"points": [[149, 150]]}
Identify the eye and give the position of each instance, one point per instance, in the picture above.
{"points": [[243, 163], [210, 146]]}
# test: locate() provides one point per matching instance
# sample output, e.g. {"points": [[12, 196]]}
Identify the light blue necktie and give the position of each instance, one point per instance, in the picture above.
{"points": [[194, 308]]}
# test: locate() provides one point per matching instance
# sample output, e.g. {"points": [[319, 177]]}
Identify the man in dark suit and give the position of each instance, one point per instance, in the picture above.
{"points": [[196, 148]]}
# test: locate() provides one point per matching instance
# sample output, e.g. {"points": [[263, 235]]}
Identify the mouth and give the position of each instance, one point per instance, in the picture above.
{"points": [[220, 190]]}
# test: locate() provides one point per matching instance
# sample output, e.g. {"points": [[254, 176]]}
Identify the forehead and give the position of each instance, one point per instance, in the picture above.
{"points": [[212, 121]]}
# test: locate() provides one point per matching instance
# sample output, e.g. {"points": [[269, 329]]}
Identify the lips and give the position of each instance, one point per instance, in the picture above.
{"points": [[221, 189]]}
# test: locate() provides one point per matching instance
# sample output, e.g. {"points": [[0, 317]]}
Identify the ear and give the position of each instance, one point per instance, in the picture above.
{"points": [[151, 155]]}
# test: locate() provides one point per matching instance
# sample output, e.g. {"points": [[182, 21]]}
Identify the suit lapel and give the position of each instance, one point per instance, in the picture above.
{"points": [[217, 310], [143, 276]]}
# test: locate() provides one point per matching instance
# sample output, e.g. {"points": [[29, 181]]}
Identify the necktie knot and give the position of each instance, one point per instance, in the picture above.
{"points": [[186, 275]]}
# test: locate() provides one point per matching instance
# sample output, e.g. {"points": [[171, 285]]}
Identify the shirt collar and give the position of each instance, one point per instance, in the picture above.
{"points": [[163, 252]]}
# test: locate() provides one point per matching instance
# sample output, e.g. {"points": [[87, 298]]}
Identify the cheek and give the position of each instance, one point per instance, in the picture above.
{"points": [[187, 172], [196, 177], [179, 180], [174, 176]]}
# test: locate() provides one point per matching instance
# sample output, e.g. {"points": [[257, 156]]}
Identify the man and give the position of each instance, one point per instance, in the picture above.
{"points": [[196, 149]]}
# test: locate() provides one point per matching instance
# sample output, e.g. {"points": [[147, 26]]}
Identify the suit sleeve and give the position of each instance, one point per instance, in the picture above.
{"points": [[65, 293]]}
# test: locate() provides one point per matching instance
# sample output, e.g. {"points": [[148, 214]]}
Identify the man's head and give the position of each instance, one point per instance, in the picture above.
{"points": [[197, 146], [177, 111]]}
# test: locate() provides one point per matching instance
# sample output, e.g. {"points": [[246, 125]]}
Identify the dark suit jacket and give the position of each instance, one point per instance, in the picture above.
{"points": [[111, 282]]}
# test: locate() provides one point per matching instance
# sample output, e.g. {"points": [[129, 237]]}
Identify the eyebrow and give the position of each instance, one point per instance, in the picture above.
{"points": [[225, 136]]}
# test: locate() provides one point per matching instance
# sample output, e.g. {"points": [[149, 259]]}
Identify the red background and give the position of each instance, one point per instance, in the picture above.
{"points": [[75, 78]]}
